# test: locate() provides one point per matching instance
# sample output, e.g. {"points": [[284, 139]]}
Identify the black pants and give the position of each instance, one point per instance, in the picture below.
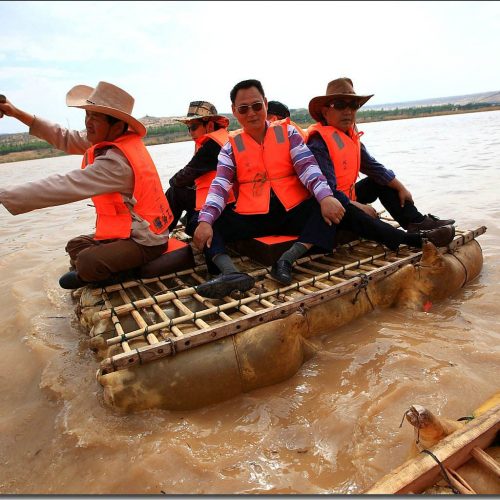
{"points": [[180, 199], [306, 221], [367, 191]]}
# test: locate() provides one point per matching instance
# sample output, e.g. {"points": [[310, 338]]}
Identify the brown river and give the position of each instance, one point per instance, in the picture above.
{"points": [[334, 427]]}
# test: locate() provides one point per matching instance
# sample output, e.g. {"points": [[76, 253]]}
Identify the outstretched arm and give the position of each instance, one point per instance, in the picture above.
{"points": [[70, 141], [8, 109]]}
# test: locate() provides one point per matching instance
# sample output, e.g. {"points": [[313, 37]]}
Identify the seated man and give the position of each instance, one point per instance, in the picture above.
{"points": [[335, 142], [189, 186], [117, 172], [280, 191]]}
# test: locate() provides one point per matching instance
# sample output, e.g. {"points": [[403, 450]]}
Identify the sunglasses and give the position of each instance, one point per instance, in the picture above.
{"points": [[340, 105], [256, 106], [193, 127]]}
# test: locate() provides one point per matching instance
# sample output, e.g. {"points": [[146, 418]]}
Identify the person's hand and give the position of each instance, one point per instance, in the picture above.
{"points": [[404, 196], [332, 210], [7, 108], [203, 235], [367, 209], [3, 100]]}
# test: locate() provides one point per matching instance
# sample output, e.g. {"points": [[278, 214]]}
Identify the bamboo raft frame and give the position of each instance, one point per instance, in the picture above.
{"points": [[425, 471], [168, 313]]}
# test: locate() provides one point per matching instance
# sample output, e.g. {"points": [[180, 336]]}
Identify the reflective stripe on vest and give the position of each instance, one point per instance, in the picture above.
{"points": [[262, 167], [114, 219], [202, 183], [345, 152]]}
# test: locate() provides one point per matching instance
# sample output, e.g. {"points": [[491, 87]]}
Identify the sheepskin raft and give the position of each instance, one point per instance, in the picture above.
{"points": [[162, 345]]}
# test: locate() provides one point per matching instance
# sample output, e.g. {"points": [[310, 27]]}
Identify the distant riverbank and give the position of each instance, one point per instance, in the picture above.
{"points": [[165, 134]]}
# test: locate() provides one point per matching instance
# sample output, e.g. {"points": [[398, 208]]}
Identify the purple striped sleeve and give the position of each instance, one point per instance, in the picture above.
{"points": [[306, 166]]}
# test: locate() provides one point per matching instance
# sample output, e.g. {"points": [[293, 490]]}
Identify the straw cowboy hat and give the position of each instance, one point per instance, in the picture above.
{"points": [[341, 87], [107, 99], [203, 110]]}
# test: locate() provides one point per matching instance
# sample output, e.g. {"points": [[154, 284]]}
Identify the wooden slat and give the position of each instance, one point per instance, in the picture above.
{"points": [[241, 324], [206, 302], [336, 290], [486, 460], [458, 482], [454, 450], [141, 323], [119, 310], [161, 313]]}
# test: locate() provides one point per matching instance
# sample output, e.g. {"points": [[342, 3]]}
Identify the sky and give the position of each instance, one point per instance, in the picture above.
{"points": [[166, 54]]}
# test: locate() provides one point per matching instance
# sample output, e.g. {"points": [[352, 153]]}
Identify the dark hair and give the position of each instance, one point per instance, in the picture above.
{"points": [[278, 108], [246, 84]]}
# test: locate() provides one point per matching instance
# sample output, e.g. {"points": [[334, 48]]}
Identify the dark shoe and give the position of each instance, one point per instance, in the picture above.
{"points": [[282, 272], [440, 237], [224, 284], [430, 222], [71, 281]]}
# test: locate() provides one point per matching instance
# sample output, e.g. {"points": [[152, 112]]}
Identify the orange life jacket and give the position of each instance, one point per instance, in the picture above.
{"points": [[113, 217], [345, 152], [260, 167], [203, 182]]}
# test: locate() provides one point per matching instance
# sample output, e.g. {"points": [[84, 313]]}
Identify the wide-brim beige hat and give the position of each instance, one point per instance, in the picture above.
{"points": [[203, 110], [341, 87], [108, 99]]}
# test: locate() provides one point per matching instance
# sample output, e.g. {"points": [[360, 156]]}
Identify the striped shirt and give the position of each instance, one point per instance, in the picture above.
{"points": [[303, 161]]}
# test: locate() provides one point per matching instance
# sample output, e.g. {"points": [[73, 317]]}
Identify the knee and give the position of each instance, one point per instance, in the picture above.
{"points": [[89, 267], [76, 245]]}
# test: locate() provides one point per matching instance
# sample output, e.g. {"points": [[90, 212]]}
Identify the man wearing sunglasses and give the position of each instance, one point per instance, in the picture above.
{"points": [[336, 144], [189, 186], [281, 190]]}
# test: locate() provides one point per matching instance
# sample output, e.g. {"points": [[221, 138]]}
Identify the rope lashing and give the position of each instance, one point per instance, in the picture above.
{"points": [[139, 355], [364, 283], [443, 470], [172, 345]]}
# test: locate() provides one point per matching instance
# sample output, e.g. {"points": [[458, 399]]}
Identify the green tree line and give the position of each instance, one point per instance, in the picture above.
{"points": [[177, 132]]}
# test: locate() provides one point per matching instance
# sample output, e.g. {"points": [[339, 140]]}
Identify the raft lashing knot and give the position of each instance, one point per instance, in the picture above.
{"points": [[159, 340], [362, 286]]}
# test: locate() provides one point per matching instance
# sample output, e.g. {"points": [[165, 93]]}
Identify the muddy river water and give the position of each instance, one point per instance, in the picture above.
{"points": [[332, 428]]}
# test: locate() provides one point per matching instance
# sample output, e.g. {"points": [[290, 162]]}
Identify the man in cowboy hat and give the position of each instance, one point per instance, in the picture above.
{"points": [[335, 142], [280, 191], [189, 186], [117, 172]]}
